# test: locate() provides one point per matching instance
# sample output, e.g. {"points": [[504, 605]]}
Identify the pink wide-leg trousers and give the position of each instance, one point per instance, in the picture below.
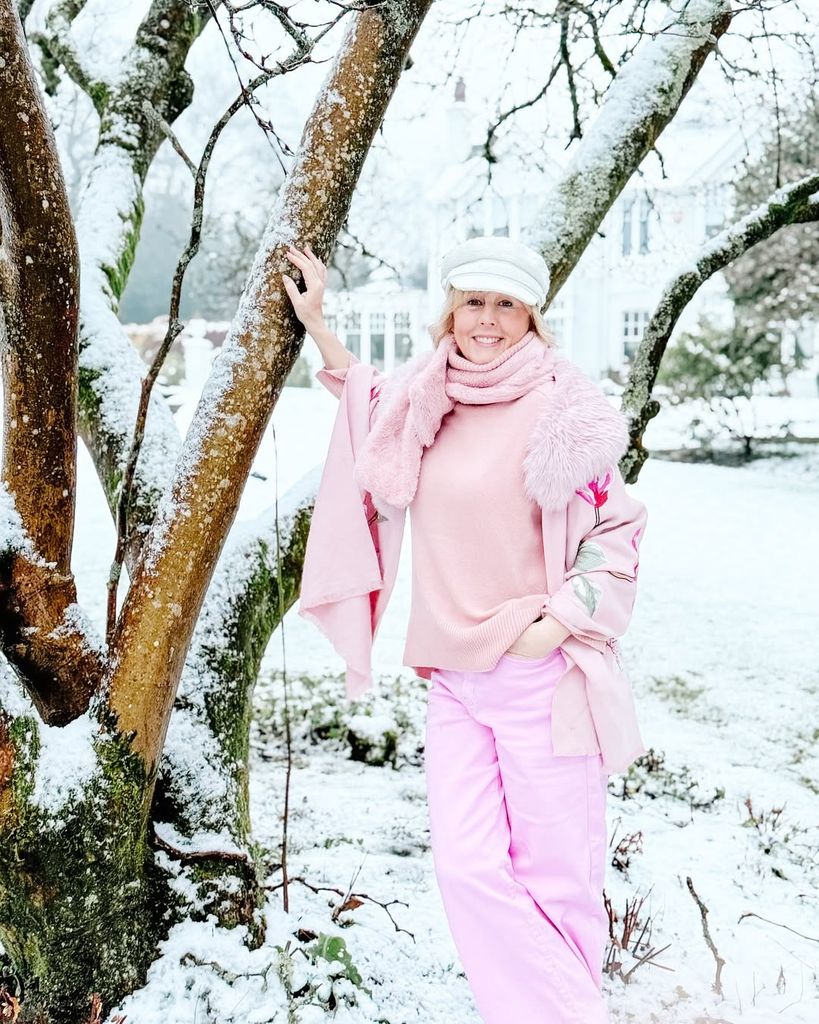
{"points": [[519, 844]]}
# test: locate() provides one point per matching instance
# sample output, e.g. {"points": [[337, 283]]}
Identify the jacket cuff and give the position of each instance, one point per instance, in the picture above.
{"points": [[333, 380], [558, 606]]}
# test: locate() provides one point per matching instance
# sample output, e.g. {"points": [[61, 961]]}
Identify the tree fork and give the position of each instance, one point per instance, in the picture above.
{"points": [[160, 611]]}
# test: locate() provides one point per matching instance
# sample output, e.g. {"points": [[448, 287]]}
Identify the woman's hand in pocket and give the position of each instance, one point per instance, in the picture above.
{"points": [[539, 639]]}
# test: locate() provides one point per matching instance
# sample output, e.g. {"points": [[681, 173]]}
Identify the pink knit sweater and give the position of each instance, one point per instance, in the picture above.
{"points": [[478, 568]]}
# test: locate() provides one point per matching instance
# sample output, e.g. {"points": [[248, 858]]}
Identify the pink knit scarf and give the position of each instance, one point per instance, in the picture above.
{"points": [[416, 398]]}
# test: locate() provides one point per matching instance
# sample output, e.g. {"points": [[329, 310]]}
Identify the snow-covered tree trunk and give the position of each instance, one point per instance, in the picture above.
{"points": [[91, 850]]}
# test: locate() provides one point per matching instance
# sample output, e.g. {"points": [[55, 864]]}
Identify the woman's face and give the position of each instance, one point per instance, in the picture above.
{"points": [[487, 324]]}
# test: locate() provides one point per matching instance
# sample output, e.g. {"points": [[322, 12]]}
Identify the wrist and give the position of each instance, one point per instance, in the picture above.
{"points": [[315, 325]]}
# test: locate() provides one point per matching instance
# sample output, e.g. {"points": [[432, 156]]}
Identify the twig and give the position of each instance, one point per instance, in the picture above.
{"points": [[196, 855], [348, 897], [150, 111], [648, 958], [750, 913], [288, 734], [717, 986]]}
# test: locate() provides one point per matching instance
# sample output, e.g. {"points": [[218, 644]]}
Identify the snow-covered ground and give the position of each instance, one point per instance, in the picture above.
{"points": [[723, 652]]}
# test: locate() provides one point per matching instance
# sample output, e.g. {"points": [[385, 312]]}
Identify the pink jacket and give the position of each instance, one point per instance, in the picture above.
{"points": [[590, 542]]}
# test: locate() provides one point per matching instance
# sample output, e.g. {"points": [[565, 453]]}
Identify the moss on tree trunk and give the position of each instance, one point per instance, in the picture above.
{"points": [[81, 907]]}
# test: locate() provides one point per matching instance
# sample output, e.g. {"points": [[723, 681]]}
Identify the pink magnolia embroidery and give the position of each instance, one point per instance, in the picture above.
{"points": [[596, 493]]}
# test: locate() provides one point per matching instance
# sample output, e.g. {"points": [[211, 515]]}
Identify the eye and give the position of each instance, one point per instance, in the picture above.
{"points": [[473, 302]]}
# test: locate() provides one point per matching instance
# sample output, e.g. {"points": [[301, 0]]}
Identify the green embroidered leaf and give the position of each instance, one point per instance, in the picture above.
{"points": [[587, 593], [589, 556]]}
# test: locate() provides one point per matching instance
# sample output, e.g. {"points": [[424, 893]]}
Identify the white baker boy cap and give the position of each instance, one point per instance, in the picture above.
{"points": [[494, 263]]}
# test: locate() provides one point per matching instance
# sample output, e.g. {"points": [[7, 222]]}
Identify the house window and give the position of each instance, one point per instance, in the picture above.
{"points": [[352, 333], [645, 213], [634, 323], [378, 323], [628, 208], [403, 337]]}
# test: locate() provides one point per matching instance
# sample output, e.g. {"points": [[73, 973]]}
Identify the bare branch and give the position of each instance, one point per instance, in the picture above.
{"points": [[796, 203], [717, 986], [777, 924]]}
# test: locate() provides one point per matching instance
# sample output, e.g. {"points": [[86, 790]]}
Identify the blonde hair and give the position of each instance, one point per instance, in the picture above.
{"points": [[456, 297]]}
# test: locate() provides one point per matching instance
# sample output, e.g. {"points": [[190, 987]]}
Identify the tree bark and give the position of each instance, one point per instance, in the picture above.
{"points": [[81, 904], [202, 800], [39, 289], [793, 204]]}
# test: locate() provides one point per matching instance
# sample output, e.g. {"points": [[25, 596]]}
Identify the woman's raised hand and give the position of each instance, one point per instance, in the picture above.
{"points": [[307, 304]]}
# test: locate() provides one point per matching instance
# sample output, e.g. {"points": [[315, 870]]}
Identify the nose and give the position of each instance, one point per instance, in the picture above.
{"points": [[487, 315]]}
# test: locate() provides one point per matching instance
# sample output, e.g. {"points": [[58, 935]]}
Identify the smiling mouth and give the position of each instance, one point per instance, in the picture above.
{"points": [[485, 339]]}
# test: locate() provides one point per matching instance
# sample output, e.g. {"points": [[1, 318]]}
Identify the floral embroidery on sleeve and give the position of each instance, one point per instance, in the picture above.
{"points": [[596, 493], [589, 556], [587, 593]]}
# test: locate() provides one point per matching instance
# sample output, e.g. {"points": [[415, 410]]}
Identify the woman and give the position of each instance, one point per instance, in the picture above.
{"points": [[524, 570]]}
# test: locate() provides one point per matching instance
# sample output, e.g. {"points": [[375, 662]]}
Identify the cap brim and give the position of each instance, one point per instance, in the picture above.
{"points": [[475, 281]]}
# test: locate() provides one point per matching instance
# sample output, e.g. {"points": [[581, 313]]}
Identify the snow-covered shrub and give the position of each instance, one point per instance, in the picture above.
{"points": [[386, 726], [718, 371], [322, 979], [781, 843], [650, 777]]}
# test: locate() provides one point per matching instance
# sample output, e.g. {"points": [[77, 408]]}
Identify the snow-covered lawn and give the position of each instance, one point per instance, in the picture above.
{"points": [[723, 651]]}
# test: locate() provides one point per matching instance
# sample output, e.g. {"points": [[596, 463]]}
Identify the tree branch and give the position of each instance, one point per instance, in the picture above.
{"points": [[640, 102], [796, 203], [58, 50], [196, 515], [42, 634], [174, 324], [155, 88]]}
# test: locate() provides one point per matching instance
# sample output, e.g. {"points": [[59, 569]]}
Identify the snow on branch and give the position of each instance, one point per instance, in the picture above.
{"points": [[640, 102], [153, 86], [59, 49], [796, 203]]}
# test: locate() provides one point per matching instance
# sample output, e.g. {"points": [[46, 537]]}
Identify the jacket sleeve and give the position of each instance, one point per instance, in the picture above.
{"points": [[605, 527]]}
